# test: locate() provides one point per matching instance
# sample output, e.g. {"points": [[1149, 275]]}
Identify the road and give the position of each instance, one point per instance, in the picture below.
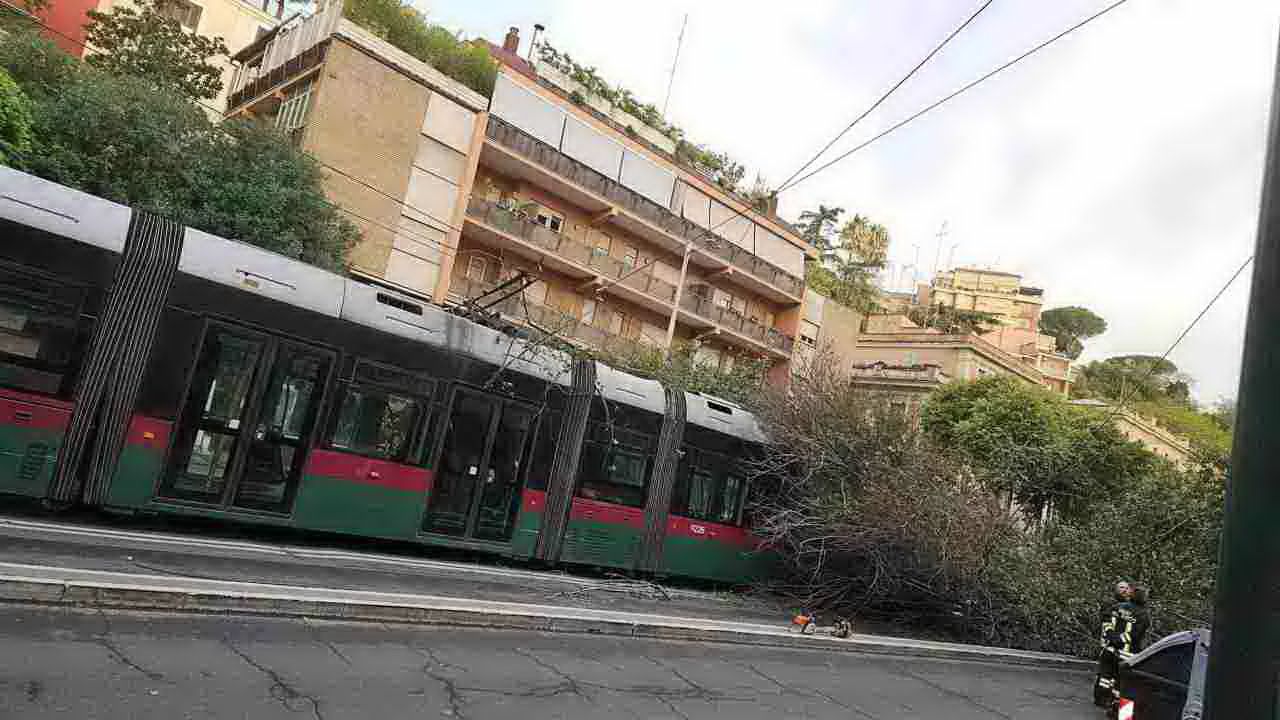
{"points": [[59, 663]]}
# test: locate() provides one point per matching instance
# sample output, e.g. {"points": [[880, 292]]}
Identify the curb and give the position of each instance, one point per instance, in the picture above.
{"points": [[365, 606]]}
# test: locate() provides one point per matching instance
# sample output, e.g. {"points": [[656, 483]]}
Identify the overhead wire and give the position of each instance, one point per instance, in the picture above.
{"points": [[885, 96], [1124, 399], [965, 88]]}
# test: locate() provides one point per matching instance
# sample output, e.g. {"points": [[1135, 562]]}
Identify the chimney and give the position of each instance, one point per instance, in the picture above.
{"points": [[771, 205], [512, 42]]}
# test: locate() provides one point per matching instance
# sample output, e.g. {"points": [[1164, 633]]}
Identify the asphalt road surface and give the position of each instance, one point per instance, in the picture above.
{"points": [[58, 663]]}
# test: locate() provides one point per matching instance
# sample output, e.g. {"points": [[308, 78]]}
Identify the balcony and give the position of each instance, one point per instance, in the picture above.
{"points": [[566, 255], [583, 260], [734, 321], [761, 275], [247, 86], [545, 318]]}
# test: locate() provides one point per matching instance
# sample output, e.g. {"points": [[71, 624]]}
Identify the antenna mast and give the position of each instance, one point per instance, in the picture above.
{"points": [[676, 61]]}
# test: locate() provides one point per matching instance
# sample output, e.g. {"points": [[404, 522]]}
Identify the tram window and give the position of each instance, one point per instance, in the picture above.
{"points": [[375, 423], [38, 333], [544, 450], [705, 490], [614, 474]]}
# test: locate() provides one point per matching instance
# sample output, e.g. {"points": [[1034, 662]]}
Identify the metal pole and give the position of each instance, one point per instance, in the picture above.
{"points": [[1245, 654], [671, 322], [671, 83]]}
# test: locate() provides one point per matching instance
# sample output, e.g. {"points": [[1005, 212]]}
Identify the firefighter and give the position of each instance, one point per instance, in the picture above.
{"points": [[1118, 623]]}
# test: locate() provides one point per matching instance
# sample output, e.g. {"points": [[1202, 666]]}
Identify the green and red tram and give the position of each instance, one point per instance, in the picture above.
{"points": [[150, 368]]}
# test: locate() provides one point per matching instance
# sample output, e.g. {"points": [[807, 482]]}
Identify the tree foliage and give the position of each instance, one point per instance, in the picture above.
{"points": [[125, 139], [683, 369], [953, 320], [1070, 327], [1133, 378], [850, 255], [871, 517], [866, 515], [1031, 445], [15, 121], [147, 42], [404, 26]]}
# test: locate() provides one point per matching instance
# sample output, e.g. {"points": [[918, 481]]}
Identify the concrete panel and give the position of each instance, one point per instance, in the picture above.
{"points": [[439, 159], [736, 228], [647, 178], [527, 111], [697, 207], [449, 122], [773, 248], [412, 272], [430, 199], [592, 149]]}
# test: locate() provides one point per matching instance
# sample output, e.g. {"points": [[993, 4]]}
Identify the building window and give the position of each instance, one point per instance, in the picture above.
{"points": [[186, 13], [293, 111], [588, 311], [536, 292], [630, 256], [809, 333], [476, 267], [550, 219], [602, 245]]}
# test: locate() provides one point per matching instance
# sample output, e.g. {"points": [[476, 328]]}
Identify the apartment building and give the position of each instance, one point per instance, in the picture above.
{"points": [[237, 23], [397, 140], [609, 241], [628, 245], [1016, 309]]}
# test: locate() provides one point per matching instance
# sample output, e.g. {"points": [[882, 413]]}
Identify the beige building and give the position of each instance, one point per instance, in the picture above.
{"points": [[1146, 431], [826, 326], [1016, 308], [534, 203], [237, 23], [397, 139]]}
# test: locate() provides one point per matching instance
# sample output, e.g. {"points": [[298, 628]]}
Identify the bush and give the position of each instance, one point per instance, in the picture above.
{"points": [[15, 121]]}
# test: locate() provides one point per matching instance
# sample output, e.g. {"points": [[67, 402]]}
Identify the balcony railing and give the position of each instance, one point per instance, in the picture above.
{"points": [[251, 88], [584, 256], [729, 318], [548, 319], [579, 174]]}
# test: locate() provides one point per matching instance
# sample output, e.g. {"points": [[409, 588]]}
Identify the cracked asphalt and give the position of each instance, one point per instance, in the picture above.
{"points": [[61, 663]]}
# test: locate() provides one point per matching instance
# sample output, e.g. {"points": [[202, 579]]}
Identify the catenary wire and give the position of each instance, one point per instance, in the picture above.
{"points": [[862, 116], [953, 95]]}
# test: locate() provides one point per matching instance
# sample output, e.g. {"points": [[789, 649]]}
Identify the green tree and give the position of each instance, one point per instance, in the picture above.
{"points": [[402, 25], [683, 370], [149, 43], [15, 122], [818, 226], [1070, 326], [1031, 445], [1133, 378], [864, 243], [125, 139], [953, 320]]}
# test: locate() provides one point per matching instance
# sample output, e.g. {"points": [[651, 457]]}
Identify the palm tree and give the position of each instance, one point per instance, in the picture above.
{"points": [[864, 242]]}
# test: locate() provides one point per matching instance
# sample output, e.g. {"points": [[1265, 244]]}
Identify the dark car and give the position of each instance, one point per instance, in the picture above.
{"points": [[1166, 681]]}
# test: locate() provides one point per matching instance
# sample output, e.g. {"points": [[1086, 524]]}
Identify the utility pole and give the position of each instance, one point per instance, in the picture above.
{"points": [[1245, 657], [675, 304]]}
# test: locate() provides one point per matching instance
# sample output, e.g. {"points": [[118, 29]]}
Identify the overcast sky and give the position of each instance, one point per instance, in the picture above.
{"points": [[1118, 169]]}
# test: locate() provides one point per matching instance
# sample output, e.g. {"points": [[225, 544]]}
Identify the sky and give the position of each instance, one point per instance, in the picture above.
{"points": [[1119, 169]]}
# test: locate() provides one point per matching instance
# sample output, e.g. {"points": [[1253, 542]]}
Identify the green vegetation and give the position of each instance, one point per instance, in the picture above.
{"points": [[15, 121], [1133, 378], [1070, 327], [953, 320], [722, 169], [1032, 445], [126, 139], [876, 518], [850, 255], [404, 26], [148, 43], [682, 370]]}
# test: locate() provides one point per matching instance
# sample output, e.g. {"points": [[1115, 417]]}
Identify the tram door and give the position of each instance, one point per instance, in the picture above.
{"points": [[243, 435], [476, 493]]}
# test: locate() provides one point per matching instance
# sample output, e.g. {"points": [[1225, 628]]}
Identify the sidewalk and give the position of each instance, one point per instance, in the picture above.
{"points": [[92, 566]]}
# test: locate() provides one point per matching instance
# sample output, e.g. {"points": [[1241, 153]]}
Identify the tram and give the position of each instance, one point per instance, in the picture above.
{"points": [[150, 368]]}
